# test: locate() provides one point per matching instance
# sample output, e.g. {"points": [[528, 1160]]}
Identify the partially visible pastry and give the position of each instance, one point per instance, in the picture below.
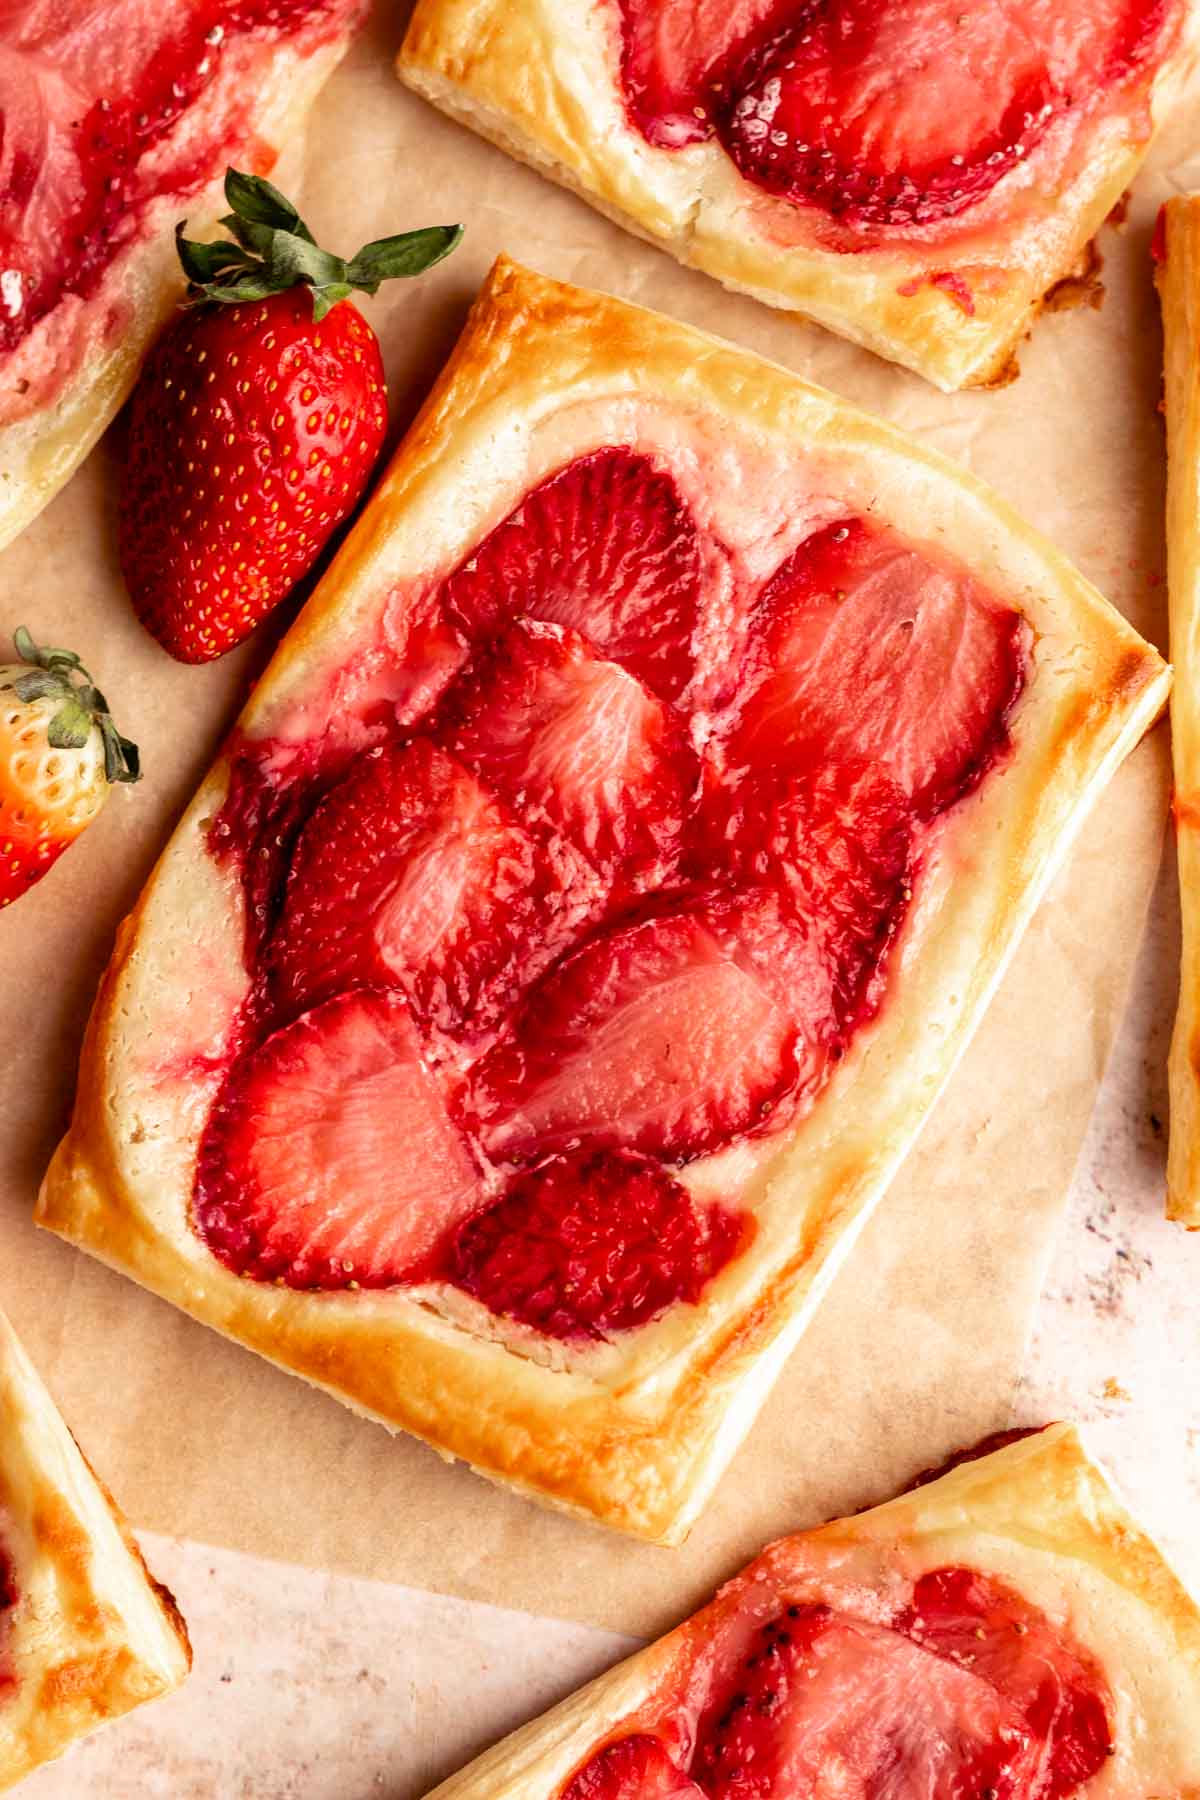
{"points": [[86, 1634], [1177, 254], [1004, 1632], [914, 174], [119, 119]]}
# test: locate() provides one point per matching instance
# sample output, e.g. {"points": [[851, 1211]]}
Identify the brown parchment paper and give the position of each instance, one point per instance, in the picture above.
{"points": [[920, 1341]]}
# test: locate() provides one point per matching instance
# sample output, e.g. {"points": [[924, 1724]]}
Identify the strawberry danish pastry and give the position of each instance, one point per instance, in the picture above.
{"points": [[85, 1633], [1177, 252], [1005, 1632], [591, 901], [914, 174], [116, 118]]}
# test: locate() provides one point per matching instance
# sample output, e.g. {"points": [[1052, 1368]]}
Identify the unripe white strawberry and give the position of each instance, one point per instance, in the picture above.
{"points": [[59, 754]]}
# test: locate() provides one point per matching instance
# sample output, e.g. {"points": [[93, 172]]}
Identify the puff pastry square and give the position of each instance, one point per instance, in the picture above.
{"points": [[591, 902], [1005, 1629], [119, 119], [1177, 248], [914, 176], [85, 1633]]}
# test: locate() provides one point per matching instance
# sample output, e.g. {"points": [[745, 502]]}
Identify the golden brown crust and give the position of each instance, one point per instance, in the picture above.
{"points": [[92, 1634], [539, 78], [1040, 1516], [41, 450], [1179, 290], [638, 1431]]}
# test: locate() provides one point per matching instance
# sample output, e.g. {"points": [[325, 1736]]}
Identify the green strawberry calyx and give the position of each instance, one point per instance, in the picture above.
{"points": [[82, 709], [274, 250]]}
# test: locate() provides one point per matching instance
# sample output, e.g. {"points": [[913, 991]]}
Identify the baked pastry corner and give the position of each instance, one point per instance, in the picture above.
{"points": [[87, 1634]]}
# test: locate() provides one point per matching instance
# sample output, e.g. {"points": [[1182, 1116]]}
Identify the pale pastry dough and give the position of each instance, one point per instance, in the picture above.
{"points": [[41, 448], [92, 1634], [635, 1431], [1039, 1515], [541, 79], [1179, 289]]}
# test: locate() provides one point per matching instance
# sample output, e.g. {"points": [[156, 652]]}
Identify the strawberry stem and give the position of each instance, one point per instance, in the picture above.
{"points": [[273, 250], [83, 708]]}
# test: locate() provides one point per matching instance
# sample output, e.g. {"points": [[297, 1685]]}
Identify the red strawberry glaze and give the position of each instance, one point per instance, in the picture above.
{"points": [[9, 1595], [608, 547], [670, 1035], [611, 934], [634, 1768], [592, 1243], [886, 116], [968, 1691], [96, 103], [410, 872], [838, 837], [582, 748]]}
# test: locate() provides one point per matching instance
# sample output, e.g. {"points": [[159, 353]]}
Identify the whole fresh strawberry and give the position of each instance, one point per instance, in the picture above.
{"points": [[257, 420], [59, 754]]}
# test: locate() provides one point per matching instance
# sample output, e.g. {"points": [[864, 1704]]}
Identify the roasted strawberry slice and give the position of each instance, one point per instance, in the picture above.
{"points": [[411, 874], [983, 1625], [670, 1034], [837, 838], [891, 115], [606, 546], [330, 1159], [634, 1768], [579, 747], [865, 646], [595, 1242], [675, 61], [827, 1704]]}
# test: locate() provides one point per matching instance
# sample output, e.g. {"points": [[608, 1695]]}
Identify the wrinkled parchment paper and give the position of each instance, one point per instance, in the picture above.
{"points": [[918, 1345]]}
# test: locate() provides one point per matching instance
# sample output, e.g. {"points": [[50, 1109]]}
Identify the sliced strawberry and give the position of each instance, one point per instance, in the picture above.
{"points": [[668, 1035], [580, 746], [410, 873], [868, 647], [675, 61], [837, 837], [886, 114], [634, 1768], [982, 1625], [591, 1243], [827, 1704], [606, 546], [329, 1159]]}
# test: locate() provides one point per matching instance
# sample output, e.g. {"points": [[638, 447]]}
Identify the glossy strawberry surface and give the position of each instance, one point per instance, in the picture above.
{"points": [[621, 928], [331, 1159], [411, 872], [634, 1768], [252, 434], [95, 99], [608, 547], [594, 761], [968, 1693], [590, 1243], [886, 115]]}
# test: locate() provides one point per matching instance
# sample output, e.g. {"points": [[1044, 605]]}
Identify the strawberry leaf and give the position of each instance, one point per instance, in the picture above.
{"points": [[204, 262], [411, 253], [274, 250], [256, 201], [60, 675], [71, 726]]}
